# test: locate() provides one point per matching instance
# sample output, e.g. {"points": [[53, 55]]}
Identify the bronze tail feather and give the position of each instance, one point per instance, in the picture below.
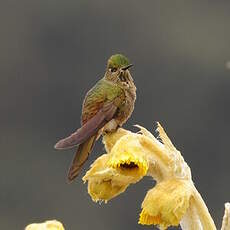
{"points": [[80, 157]]}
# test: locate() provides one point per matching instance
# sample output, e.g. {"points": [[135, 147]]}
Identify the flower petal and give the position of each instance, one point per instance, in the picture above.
{"points": [[166, 203], [127, 156], [110, 139], [105, 182], [112, 173], [48, 225]]}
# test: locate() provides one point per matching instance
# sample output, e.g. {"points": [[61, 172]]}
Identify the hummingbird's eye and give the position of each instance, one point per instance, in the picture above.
{"points": [[112, 70]]}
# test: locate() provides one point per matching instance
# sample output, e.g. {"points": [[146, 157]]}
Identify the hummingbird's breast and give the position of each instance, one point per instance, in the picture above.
{"points": [[127, 107]]}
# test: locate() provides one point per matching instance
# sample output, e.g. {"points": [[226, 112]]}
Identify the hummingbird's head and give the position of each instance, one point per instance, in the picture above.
{"points": [[117, 70]]}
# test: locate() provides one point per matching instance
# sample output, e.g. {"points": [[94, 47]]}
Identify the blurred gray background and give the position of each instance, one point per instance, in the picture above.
{"points": [[52, 52]]}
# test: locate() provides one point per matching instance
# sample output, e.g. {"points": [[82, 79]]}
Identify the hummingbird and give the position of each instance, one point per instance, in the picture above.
{"points": [[106, 107]]}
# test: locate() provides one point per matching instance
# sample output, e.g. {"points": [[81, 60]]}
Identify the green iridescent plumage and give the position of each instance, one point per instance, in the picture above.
{"points": [[101, 93]]}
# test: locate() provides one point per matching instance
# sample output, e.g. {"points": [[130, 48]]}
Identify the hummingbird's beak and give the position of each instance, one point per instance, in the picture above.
{"points": [[127, 67]]}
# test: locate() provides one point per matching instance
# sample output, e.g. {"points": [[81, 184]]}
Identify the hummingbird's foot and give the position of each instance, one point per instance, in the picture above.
{"points": [[110, 127]]}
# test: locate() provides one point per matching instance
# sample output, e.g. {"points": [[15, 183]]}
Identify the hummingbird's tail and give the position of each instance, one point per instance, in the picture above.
{"points": [[80, 157]]}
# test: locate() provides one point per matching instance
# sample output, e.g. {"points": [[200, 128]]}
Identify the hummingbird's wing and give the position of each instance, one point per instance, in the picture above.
{"points": [[99, 107], [90, 128]]}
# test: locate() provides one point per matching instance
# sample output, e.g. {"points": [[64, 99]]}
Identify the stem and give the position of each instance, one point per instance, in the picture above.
{"points": [[191, 219], [202, 210], [226, 218]]}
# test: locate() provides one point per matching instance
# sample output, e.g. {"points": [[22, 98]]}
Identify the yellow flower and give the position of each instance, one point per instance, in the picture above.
{"points": [[128, 158], [48, 225], [166, 203], [110, 139], [104, 182], [131, 156], [112, 173]]}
